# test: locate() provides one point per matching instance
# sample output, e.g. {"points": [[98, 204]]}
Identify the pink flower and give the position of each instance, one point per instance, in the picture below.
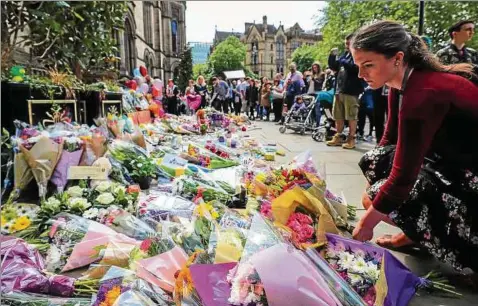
{"points": [[304, 219], [266, 210], [306, 233], [145, 245], [370, 296]]}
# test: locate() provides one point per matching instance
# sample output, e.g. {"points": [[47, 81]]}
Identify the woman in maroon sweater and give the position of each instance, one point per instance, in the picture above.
{"points": [[423, 176]]}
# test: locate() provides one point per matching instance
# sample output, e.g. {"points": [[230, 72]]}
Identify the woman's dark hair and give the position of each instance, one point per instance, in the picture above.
{"points": [[389, 37]]}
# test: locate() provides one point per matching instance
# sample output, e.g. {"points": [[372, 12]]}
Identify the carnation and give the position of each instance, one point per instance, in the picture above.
{"points": [[52, 203], [75, 191]]}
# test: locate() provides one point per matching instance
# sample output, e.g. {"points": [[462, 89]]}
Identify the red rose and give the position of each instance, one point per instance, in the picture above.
{"points": [[303, 219]]}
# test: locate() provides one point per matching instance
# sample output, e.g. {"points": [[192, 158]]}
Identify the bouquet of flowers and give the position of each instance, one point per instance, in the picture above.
{"points": [[206, 159], [31, 299], [112, 285], [257, 280], [157, 207], [17, 217], [372, 272], [193, 188], [22, 271], [301, 212], [76, 242], [70, 156]]}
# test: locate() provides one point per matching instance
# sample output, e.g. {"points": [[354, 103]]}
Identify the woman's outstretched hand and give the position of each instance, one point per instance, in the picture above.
{"points": [[364, 229]]}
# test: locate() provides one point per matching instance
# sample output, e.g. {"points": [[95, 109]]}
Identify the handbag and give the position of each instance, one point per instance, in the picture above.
{"points": [[277, 95]]}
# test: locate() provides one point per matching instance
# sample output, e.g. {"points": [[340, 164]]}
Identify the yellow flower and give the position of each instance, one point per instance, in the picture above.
{"points": [[215, 214], [3, 221], [21, 223], [209, 207], [112, 295]]}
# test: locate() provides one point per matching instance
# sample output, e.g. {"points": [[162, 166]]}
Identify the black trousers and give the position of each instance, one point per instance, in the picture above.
{"points": [[380, 109], [237, 108], [277, 105], [173, 106], [363, 114]]}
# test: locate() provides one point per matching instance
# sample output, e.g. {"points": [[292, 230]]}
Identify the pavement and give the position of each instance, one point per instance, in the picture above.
{"points": [[343, 175]]}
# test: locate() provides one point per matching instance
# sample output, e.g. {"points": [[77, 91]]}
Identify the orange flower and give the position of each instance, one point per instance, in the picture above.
{"points": [[133, 189], [112, 295]]}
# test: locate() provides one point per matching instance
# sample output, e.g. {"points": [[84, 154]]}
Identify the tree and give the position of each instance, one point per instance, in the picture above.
{"points": [[76, 36], [340, 18], [304, 57], [228, 55], [185, 69], [200, 69]]}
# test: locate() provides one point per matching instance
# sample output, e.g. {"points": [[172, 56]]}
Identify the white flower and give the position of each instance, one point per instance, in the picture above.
{"points": [[103, 186], [354, 278], [75, 191], [140, 165], [346, 260], [331, 253], [52, 203], [118, 189], [91, 213], [359, 265], [372, 271], [53, 258], [105, 198], [78, 203]]}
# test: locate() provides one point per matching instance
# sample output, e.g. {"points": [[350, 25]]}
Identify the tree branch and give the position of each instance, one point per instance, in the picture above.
{"points": [[49, 47], [44, 41]]}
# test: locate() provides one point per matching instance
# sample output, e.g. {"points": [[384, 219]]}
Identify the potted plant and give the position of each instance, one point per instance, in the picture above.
{"points": [[142, 171]]}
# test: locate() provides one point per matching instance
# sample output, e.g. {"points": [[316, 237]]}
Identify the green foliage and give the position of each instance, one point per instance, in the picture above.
{"points": [[200, 69], [185, 69], [228, 55], [340, 18], [75, 36], [304, 57]]}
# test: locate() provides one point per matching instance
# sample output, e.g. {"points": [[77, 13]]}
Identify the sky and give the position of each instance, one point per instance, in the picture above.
{"points": [[203, 16]]}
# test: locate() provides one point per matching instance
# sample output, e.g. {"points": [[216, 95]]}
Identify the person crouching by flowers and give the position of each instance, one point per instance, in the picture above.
{"points": [[426, 183]]}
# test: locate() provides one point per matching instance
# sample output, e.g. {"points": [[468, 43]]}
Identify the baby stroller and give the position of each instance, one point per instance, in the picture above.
{"points": [[302, 121], [326, 129]]}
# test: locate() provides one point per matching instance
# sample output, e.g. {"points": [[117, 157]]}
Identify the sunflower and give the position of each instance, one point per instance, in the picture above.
{"points": [[21, 223]]}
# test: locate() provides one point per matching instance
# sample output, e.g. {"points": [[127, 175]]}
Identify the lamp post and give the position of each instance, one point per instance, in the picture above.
{"points": [[421, 16]]}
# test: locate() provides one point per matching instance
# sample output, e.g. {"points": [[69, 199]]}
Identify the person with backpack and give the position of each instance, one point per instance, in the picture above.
{"points": [[423, 175]]}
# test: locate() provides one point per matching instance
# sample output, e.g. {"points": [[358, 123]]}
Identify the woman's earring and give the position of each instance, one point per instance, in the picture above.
{"points": [[397, 63]]}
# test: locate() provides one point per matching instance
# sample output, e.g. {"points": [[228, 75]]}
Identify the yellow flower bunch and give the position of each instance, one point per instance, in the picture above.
{"points": [[206, 209], [21, 224], [111, 296]]}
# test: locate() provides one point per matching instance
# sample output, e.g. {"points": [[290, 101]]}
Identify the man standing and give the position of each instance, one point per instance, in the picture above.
{"points": [[219, 99], [348, 89], [172, 93], [294, 83], [242, 91], [456, 52]]}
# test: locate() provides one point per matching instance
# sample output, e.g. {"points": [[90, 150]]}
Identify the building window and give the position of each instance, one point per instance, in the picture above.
{"points": [[280, 57], [116, 36], [255, 51], [272, 47], [129, 48], [174, 36], [151, 66], [147, 23], [272, 73], [295, 45], [272, 59]]}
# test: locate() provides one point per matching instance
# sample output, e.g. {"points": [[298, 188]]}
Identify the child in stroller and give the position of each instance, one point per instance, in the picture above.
{"points": [[299, 109]]}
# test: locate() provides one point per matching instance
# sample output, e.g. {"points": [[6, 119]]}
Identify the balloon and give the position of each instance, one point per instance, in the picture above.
{"points": [[155, 92], [158, 84], [147, 79], [139, 80], [144, 88], [136, 72], [143, 70], [131, 84]]}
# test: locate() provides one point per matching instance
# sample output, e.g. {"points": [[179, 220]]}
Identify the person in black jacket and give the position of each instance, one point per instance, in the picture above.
{"points": [[252, 95], [348, 89]]}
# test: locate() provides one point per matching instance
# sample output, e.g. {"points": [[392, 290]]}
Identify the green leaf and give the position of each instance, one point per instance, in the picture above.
{"points": [[78, 16]]}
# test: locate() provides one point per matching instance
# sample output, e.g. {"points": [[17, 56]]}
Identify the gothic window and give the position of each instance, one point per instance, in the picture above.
{"points": [[174, 36], [272, 73], [295, 45], [272, 47], [129, 48], [116, 37], [272, 59], [147, 22], [255, 51], [280, 57], [151, 66]]}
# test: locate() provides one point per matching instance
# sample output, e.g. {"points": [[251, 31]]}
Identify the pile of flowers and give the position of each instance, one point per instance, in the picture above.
{"points": [[246, 286]]}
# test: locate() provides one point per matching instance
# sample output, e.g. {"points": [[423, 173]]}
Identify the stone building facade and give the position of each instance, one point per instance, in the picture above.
{"points": [[269, 49], [154, 37]]}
